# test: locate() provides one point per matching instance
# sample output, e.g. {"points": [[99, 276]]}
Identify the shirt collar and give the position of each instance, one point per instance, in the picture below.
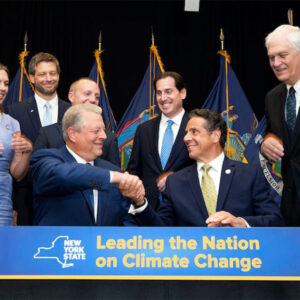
{"points": [[41, 102], [79, 159], [296, 87], [216, 163], [177, 119]]}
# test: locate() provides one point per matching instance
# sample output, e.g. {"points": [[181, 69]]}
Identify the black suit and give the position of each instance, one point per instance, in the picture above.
{"points": [[26, 112], [145, 161], [275, 114], [52, 137]]}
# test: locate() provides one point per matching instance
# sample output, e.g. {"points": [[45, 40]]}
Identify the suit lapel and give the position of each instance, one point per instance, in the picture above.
{"points": [[193, 180], [61, 109], [69, 158], [33, 114], [154, 137], [101, 200], [281, 115], [227, 173], [178, 145]]}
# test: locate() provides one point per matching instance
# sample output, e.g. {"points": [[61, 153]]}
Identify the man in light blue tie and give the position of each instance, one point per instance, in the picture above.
{"points": [[282, 141], [42, 109], [158, 148]]}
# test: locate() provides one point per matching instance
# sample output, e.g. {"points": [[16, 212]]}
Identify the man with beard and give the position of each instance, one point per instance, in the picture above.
{"points": [[42, 109]]}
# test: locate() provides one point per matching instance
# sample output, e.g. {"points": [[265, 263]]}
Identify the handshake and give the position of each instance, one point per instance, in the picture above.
{"points": [[130, 186]]}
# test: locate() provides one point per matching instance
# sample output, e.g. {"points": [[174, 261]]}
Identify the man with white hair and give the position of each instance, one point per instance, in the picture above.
{"points": [[74, 187], [282, 141]]}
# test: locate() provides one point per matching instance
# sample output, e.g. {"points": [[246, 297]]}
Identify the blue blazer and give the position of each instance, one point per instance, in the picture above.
{"points": [[61, 188], [243, 192]]}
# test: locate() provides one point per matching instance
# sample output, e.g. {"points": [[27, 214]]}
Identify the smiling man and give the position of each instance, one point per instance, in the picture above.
{"points": [[72, 185], [215, 191], [42, 109], [158, 149], [283, 125], [83, 90]]}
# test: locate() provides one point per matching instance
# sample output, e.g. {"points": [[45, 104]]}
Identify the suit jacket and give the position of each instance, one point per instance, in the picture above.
{"points": [[26, 112], [275, 114], [52, 137], [61, 187], [243, 192], [145, 161]]}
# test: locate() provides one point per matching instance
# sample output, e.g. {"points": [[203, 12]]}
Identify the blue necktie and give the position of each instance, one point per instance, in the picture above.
{"points": [[167, 144], [291, 110], [47, 119]]}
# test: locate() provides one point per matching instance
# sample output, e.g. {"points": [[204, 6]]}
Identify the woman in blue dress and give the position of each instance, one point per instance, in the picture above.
{"points": [[15, 151]]}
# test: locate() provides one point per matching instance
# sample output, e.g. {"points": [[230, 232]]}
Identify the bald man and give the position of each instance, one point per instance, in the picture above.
{"points": [[83, 90]]}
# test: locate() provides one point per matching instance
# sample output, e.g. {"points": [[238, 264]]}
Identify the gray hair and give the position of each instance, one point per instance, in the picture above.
{"points": [[73, 117], [292, 34]]}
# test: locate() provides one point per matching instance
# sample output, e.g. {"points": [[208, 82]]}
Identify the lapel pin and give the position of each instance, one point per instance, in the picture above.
{"points": [[32, 110], [7, 127], [228, 171]]}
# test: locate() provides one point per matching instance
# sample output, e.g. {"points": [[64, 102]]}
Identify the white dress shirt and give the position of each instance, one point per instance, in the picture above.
{"points": [[41, 108], [164, 124], [215, 171]]}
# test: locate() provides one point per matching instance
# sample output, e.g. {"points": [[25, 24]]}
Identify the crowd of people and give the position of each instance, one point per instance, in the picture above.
{"points": [[61, 167]]}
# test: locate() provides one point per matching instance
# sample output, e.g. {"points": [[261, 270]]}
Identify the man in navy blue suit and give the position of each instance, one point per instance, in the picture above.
{"points": [[42, 109], [72, 186], [146, 156], [214, 191]]}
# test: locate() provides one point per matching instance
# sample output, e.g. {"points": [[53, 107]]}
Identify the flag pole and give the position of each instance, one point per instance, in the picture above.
{"points": [[290, 16], [224, 52]]}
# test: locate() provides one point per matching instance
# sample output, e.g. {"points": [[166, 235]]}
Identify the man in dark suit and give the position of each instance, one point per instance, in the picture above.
{"points": [[83, 90], [146, 157], [282, 141], [72, 185], [43, 109], [213, 192]]}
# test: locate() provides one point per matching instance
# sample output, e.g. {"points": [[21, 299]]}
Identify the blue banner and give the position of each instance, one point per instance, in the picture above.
{"points": [[150, 253]]}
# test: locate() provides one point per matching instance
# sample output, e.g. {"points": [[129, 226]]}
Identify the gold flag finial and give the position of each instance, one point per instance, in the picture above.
{"points": [[290, 16], [222, 39], [25, 41], [100, 41], [152, 36]]}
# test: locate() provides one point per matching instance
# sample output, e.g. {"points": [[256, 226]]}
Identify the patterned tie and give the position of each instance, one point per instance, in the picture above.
{"points": [[291, 110], [167, 144], [47, 120], [208, 190]]}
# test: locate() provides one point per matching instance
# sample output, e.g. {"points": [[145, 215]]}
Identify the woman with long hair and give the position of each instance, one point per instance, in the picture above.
{"points": [[15, 152]]}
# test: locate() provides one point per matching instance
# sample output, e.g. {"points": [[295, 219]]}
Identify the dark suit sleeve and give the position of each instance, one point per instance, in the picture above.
{"points": [[53, 176], [134, 165], [266, 213], [42, 141]]}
